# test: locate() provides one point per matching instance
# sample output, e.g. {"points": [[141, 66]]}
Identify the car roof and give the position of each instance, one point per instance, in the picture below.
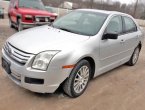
{"points": [[104, 11]]}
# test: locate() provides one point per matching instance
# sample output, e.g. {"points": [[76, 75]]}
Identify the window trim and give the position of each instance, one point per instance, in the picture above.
{"points": [[124, 25], [121, 33]]}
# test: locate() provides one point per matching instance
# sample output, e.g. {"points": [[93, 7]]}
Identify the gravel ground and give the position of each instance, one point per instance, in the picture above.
{"points": [[120, 89]]}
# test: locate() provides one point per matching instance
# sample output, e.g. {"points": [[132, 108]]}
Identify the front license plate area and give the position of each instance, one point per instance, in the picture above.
{"points": [[6, 66]]}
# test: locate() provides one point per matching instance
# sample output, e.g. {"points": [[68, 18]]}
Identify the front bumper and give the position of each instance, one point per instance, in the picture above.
{"points": [[37, 81]]}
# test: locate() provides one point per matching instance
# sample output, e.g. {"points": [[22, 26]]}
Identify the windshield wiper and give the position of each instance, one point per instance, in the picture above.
{"points": [[64, 29], [36, 8], [25, 7]]}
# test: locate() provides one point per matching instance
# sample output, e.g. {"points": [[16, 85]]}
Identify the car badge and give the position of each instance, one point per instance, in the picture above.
{"points": [[9, 50]]}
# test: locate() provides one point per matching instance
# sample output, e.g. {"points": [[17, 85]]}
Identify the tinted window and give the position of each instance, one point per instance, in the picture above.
{"points": [[115, 25], [81, 22], [130, 26]]}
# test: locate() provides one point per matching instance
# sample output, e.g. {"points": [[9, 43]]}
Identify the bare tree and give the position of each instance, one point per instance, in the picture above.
{"points": [[135, 7]]}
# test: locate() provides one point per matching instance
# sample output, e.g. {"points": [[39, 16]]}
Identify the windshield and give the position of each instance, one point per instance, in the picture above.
{"points": [[50, 9], [81, 22], [34, 4]]}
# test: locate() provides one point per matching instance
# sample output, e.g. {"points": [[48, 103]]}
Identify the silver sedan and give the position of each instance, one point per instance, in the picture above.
{"points": [[77, 47]]}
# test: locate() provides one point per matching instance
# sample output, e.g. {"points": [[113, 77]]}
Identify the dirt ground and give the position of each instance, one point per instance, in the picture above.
{"points": [[120, 89]]}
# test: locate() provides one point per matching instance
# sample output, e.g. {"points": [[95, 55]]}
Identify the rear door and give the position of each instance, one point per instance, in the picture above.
{"points": [[130, 36]]}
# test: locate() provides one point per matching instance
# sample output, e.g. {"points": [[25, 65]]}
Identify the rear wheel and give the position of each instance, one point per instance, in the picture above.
{"points": [[134, 58], [20, 26], [78, 80]]}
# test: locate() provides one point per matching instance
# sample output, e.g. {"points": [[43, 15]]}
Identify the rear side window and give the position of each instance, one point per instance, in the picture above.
{"points": [[130, 26], [115, 25]]}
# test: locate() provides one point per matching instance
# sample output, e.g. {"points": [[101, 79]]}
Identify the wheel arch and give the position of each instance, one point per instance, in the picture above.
{"points": [[140, 45], [18, 17], [91, 62]]}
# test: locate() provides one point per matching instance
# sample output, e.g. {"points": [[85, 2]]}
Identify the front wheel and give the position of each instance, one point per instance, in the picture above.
{"points": [[10, 23], [78, 80], [134, 58], [20, 26]]}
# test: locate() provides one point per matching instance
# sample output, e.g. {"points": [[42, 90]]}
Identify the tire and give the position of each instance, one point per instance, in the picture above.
{"points": [[20, 26], [78, 80], [10, 23], [134, 58]]}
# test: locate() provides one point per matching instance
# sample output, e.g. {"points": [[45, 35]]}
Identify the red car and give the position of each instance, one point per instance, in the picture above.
{"points": [[28, 13]]}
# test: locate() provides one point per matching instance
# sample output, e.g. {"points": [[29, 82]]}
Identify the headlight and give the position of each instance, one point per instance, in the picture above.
{"points": [[28, 16], [42, 60]]}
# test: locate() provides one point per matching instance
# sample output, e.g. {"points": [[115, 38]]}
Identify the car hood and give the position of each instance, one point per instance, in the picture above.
{"points": [[34, 12], [44, 38]]}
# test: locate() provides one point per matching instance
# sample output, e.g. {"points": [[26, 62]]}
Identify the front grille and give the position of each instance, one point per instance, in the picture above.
{"points": [[42, 19], [16, 54]]}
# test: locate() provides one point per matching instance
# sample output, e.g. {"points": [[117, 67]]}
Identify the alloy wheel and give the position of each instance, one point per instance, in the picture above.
{"points": [[135, 55], [81, 79]]}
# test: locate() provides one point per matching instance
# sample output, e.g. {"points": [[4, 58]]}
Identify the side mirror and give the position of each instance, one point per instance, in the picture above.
{"points": [[110, 36], [15, 6]]}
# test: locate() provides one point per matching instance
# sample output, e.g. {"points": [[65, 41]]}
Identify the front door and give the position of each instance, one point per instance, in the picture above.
{"points": [[111, 49]]}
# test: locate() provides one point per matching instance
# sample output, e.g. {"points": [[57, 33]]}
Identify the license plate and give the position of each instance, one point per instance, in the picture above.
{"points": [[6, 66]]}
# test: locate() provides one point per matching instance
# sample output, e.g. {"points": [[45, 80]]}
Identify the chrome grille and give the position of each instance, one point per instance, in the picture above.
{"points": [[42, 19], [16, 54]]}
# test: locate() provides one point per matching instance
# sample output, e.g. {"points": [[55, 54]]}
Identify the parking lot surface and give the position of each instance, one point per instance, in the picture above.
{"points": [[120, 89]]}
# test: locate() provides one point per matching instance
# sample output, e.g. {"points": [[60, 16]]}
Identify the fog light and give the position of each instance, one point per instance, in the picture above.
{"points": [[46, 19]]}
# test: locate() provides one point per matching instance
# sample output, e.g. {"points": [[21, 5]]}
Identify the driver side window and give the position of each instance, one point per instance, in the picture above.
{"points": [[115, 25]]}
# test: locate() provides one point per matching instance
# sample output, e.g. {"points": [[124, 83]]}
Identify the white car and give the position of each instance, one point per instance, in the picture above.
{"points": [[76, 48]]}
